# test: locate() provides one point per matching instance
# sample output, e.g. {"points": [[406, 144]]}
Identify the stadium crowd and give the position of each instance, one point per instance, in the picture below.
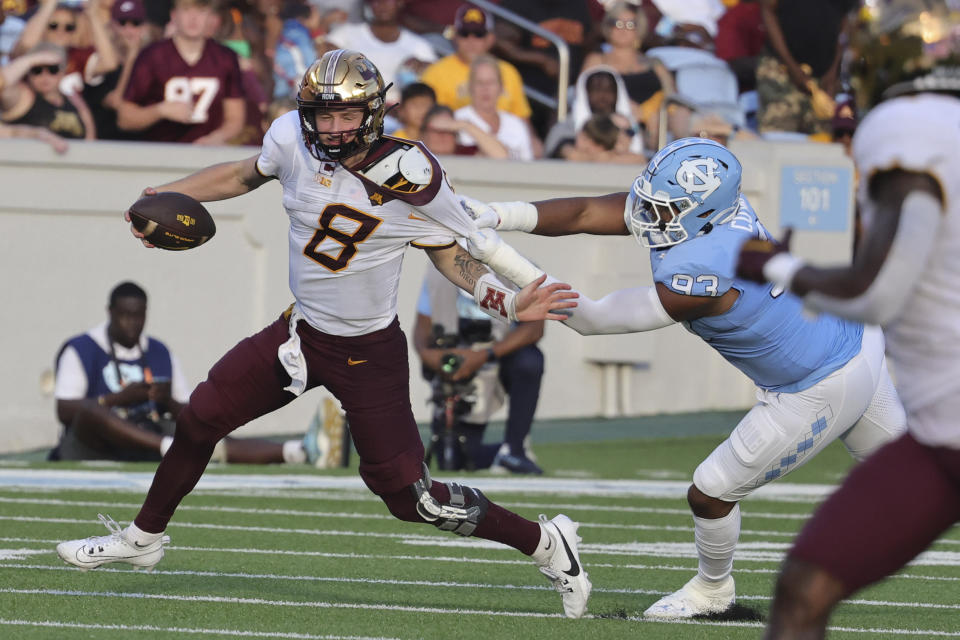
{"points": [[641, 72]]}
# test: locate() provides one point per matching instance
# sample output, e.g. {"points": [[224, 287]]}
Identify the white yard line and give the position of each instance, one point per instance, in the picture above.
{"points": [[193, 630], [447, 584], [746, 551], [101, 479], [432, 610]]}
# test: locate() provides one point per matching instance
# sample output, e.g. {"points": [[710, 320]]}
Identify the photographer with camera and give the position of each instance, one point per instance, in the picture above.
{"points": [[471, 362], [119, 392]]}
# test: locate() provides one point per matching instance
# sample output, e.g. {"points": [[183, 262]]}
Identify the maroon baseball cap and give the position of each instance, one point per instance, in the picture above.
{"points": [[128, 10], [473, 20]]}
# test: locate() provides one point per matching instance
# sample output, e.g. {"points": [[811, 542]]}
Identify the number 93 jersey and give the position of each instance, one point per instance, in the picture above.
{"points": [[349, 228], [765, 333]]}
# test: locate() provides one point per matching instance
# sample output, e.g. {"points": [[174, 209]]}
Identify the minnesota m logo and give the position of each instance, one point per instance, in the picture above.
{"points": [[493, 300]]}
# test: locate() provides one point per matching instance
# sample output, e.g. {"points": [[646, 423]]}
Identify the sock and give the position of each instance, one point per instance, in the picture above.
{"points": [[716, 539], [293, 452], [135, 534], [545, 547]]}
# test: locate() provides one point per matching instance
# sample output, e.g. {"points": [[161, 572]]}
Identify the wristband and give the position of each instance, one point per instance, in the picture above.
{"points": [[516, 216], [494, 299], [781, 268]]}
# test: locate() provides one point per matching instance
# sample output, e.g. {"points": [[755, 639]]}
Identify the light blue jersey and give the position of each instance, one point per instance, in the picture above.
{"points": [[764, 333]]}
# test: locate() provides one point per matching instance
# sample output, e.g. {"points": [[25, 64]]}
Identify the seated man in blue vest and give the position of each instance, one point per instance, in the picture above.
{"points": [[119, 392]]}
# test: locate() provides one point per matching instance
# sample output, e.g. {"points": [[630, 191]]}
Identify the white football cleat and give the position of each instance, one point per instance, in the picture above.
{"points": [[564, 569], [90, 553], [697, 597]]}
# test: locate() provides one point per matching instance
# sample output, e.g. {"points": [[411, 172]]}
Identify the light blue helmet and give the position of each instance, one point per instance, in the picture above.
{"points": [[688, 187]]}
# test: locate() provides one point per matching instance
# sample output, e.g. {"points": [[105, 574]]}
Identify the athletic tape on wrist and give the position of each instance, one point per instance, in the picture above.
{"points": [[516, 216], [508, 262]]}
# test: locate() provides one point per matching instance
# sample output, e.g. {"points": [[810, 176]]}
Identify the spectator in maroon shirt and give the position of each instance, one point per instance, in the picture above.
{"points": [[740, 39], [186, 88]]}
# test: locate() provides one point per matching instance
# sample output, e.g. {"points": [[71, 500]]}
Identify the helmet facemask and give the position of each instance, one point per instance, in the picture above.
{"points": [[338, 80], [342, 145], [655, 217]]}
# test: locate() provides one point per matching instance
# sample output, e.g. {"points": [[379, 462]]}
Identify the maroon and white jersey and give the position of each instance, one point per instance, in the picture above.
{"points": [[160, 73], [349, 228], [921, 133]]}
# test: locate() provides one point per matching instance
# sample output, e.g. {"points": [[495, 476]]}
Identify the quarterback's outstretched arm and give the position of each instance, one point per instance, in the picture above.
{"points": [[598, 215], [908, 211], [533, 302], [217, 182], [220, 181]]}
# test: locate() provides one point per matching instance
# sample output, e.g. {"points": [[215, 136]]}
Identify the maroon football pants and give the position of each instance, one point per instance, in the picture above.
{"points": [[370, 376], [891, 507]]}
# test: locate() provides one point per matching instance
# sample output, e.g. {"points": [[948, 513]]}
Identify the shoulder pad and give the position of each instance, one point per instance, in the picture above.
{"points": [[415, 167], [400, 167]]}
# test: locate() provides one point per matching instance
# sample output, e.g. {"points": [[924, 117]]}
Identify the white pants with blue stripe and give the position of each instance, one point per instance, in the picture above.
{"points": [[857, 403]]}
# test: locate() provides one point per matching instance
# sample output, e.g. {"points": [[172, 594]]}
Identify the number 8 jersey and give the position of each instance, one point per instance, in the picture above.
{"points": [[765, 333], [349, 228]]}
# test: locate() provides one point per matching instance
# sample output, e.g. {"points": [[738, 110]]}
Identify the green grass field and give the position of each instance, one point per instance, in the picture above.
{"points": [[294, 553]]}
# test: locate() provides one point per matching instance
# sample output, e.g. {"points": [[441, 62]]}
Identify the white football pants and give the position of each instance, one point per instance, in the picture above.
{"points": [[857, 403]]}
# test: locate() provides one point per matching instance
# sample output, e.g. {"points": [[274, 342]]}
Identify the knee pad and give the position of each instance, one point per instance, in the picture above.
{"points": [[456, 515], [711, 480]]}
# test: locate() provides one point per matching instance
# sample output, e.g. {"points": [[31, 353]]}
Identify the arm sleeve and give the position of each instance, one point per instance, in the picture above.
{"points": [[71, 382], [882, 301], [623, 311]]}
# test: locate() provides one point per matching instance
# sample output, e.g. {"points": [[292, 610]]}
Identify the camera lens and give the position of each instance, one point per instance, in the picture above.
{"points": [[450, 363]]}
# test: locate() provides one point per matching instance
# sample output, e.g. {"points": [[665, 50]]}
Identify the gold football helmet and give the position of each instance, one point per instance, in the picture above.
{"points": [[341, 78], [906, 46]]}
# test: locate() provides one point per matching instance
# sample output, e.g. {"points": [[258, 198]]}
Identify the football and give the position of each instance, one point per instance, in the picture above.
{"points": [[172, 221]]}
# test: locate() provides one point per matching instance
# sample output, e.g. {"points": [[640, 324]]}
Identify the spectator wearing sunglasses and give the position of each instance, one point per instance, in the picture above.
{"points": [[646, 80], [473, 37], [32, 96], [102, 92], [62, 25]]}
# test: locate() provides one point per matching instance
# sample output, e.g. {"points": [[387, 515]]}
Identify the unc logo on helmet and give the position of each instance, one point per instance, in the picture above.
{"points": [[697, 176], [686, 188], [338, 80]]}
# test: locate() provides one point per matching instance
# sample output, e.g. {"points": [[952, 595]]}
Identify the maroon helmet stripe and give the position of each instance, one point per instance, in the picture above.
{"points": [[329, 77]]}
